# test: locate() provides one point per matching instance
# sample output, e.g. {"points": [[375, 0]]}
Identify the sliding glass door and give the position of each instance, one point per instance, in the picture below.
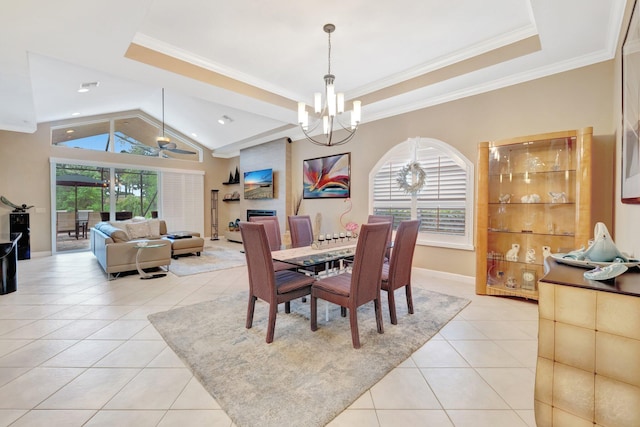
{"points": [[85, 195]]}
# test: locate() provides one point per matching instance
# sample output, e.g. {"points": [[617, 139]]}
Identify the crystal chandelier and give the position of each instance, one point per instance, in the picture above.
{"points": [[328, 113]]}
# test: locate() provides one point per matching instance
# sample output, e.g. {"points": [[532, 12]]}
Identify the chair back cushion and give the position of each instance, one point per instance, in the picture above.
{"points": [[402, 254], [259, 262], [367, 266], [375, 219], [301, 230], [272, 227]]}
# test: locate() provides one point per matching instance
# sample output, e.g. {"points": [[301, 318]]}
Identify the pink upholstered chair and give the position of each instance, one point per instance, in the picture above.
{"points": [[301, 230], [273, 287], [397, 273], [351, 290], [272, 227]]}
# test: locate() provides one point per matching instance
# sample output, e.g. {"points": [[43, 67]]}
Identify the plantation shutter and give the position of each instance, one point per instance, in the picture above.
{"points": [[441, 203], [183, 201], [388, 197]]}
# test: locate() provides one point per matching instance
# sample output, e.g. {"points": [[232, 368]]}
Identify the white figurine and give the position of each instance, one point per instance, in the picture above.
{"points": [[531, 256], [530, 198], [512, 254], [546, 251], [505, 198], [558, 197]]}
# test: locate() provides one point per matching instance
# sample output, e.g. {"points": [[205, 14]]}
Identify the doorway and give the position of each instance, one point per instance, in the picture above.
{"points": [[86, 195]]}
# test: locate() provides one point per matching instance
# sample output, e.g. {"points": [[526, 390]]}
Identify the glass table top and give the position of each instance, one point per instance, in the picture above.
{"points": [[318, 258]]}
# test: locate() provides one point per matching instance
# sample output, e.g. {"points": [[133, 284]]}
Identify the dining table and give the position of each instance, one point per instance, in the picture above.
{"points": [[319, 260]]}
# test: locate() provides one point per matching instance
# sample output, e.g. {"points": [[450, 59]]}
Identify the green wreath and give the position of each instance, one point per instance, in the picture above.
{"points": [[412, 170]]}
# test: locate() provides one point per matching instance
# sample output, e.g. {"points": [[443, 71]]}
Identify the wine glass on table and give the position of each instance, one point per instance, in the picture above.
{"points": [[335, 237], [320, 238]]}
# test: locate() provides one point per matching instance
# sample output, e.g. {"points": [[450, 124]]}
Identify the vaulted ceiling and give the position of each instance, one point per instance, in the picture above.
{"points": [[253, 60]]}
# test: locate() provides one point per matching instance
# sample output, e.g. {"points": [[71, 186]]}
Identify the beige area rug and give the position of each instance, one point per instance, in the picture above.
{"points": [[211, 259], [303, 378]]}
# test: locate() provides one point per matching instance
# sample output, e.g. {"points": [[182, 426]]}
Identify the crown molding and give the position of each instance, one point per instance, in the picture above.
{"points": [[448, 60], [199, 61]]}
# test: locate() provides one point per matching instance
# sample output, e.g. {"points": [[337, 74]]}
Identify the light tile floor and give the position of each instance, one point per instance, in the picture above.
{"points": [[77, 349]]}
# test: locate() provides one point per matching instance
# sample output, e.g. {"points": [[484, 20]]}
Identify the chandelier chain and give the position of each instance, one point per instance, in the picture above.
{"points": [[329, 61]]}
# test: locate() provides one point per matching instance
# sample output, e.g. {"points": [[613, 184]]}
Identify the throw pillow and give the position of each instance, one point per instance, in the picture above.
{"points": [[122, 225], [117, 234], [154, 227], [138, 230]]}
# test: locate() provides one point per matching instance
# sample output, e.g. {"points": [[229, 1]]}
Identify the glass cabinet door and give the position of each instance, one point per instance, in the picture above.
{"points": [[531, 210]]}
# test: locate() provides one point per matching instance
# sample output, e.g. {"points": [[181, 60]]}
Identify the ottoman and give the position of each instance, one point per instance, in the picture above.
{"points": [[185, 245]]}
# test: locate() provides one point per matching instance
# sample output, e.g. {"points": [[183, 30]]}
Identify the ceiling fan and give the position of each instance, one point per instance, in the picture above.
{"points": [[164, 142]]}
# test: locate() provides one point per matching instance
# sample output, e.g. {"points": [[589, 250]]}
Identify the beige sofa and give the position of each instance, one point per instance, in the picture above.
{"points": [[114, 244]]}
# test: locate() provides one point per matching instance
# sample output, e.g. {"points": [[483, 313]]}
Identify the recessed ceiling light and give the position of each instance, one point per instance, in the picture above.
{"points": [[70, 131], [85, 87], [75, 114], [193, 134], [224, 120]]}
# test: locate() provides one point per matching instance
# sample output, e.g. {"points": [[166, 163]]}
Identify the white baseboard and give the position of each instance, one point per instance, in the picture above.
{"points": [[450, 276], [40, 254]]}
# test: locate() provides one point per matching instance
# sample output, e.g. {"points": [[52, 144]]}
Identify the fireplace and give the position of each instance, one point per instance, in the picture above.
{"points": [[259, 212]]}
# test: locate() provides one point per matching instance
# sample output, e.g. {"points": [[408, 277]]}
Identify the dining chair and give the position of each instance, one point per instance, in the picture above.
{"points": [[94, 218], [301, 230], [272, 227], [66, 222], [351, 290], [397, 273], [273, 287], [82, 222], [374, 219]]}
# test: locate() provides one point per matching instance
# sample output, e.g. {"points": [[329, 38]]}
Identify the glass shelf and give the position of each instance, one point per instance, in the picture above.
{"points": [[531, 204], [523, 173], [530, 191], [530, 233]]}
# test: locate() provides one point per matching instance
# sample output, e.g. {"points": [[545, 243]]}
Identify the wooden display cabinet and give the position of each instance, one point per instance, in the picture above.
{"points": [[534, 198]]}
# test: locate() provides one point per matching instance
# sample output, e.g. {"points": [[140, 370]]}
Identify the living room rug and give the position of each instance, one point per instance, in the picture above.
{"points": [[211, 259], [303, 378]]}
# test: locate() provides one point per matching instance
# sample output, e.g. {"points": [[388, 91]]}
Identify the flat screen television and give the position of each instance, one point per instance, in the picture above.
{"points": [[258, 184]]}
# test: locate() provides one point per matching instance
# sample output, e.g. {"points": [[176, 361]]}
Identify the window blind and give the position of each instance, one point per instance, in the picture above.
{"points": [[183, 201], [441, 202]]}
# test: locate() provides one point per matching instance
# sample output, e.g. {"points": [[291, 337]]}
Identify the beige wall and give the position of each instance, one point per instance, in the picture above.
{"points": [[571, 100], [564, 101], [25, 178]]}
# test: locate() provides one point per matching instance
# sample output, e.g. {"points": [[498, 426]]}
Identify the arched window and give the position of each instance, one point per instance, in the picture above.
{"points": [[445, 202]]}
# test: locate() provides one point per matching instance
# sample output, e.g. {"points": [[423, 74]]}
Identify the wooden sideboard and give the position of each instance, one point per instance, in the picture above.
{"points": [[588, 368]]}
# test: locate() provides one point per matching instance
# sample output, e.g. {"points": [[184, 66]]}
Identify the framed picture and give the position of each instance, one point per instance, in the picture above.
{"points": [[630, 177], [327, 177]]}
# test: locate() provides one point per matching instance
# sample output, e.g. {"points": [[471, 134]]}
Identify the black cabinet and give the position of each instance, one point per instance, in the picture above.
{"points": [[19, 223]]}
